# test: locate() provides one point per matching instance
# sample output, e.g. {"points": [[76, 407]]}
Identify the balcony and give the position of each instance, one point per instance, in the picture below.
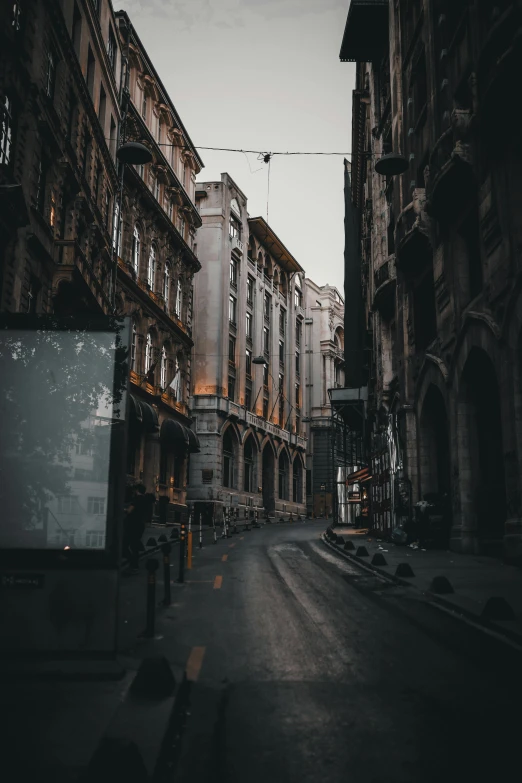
{"points": [[385, 282], [451, 181], [412, 236], [74, 268], [237, 245]]}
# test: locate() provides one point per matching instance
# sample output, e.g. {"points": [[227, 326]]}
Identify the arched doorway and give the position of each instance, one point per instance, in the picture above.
{"points": [[297, 481], [435, 466], [268, 479], [483, 491], [249, 471], [283, 475]]}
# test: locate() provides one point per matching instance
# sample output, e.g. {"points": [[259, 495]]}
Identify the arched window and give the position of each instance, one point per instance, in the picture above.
{"points": [[249, 460], [166, 285], [297, 481], [148, 352], [228, 459], [283, 476], [298, 294], [151, 269], [176, 381], [179, 299], [6, 131], [133, 348], [163, 368], [136, 249]]}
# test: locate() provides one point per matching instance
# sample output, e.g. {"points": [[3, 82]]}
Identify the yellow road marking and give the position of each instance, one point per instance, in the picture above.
{"points": [[217, 582], [194, 663], [224, 558]]}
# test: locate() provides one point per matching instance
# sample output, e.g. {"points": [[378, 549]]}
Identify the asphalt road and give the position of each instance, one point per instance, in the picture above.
{"points": [[305, 668]]}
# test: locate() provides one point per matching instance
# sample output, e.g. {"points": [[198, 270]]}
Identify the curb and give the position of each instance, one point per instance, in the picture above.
{"points": [[502, 634]]}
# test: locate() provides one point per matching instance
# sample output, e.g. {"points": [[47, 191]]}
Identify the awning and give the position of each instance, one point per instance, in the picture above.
{"points": [[366, 33], [175, 434], [358, 477], [194, 447], [150, 417]]}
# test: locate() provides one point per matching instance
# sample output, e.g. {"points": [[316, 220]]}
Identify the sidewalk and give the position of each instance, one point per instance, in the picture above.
{"points": [[474, 580]]}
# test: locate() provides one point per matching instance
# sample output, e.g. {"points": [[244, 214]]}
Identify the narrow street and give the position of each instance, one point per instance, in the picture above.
{"points": [[305, 668]]}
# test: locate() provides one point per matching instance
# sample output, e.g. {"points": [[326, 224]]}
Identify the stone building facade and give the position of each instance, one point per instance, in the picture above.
{"points": [[249, 299], [75, 83], [60, 68], [441, 262], [156, 267], [323, 370]]}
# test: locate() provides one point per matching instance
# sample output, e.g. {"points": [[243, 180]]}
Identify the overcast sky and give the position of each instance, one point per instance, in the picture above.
{"points": [[263, 75]]}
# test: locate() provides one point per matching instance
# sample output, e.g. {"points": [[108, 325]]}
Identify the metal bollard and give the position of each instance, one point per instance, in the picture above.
{"points": [[166, 549], [182, 554], [152, 567]]}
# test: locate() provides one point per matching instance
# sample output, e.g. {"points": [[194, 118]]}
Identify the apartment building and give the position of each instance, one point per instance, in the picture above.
{"points": [[247, 390], [154, 244], [440, 268], [323, 370]]}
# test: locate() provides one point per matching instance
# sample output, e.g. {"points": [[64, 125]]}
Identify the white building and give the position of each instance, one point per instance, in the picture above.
{"points": [[323, 370], [248, 304]]}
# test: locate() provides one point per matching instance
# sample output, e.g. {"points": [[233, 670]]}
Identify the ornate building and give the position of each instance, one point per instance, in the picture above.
{"points": [[156, 266], [323, 370], [59, 113], [441, 265], [247, 395]]}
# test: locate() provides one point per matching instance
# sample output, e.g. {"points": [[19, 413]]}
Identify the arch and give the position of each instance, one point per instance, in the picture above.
{"points": [[297, 478], [235, 208], [250, 457], [246, 433], [230, 444], [268, 440], [280, 448], [268, 266], [283, 283], [435, 458], [251, 249], [339, 336], [276, 278], [480, 454], [283, 464], [268, 475]]}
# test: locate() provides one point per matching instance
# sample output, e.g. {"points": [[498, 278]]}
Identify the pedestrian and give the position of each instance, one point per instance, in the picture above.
{"points": [[135, 522]]}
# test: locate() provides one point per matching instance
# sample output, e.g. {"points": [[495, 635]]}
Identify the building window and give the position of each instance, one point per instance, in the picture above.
{"points": [[157, 189], [297, 396], [267, 303], [68, 504], [151, 268], [249, 326], [179, 299], [95, 505], [163, 368], [133, 348], [232, 350], [41, 183], [144, 106], [148, 353], [166, 285], [233, 272], [232, 304], [248, 355], [298, 296], [107, 208], [176, 382], [228, 460], [94, 539], [50, 75], [281, 351], [234, 228], [265, 376], [136, 250], [91, 70], [297, 362], [282, 321], [298, 332], [116, 229], [248, 398], [111, 49], [6, 131], [231, 387], [265, 407], [266, 339], [250, 290]]}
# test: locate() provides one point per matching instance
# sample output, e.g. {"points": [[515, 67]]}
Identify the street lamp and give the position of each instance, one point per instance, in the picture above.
{"points": [[391, 164]]}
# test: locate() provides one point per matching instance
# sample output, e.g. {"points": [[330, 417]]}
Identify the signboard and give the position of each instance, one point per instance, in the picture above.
{"points": [[63, 399], [354, 495]]}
